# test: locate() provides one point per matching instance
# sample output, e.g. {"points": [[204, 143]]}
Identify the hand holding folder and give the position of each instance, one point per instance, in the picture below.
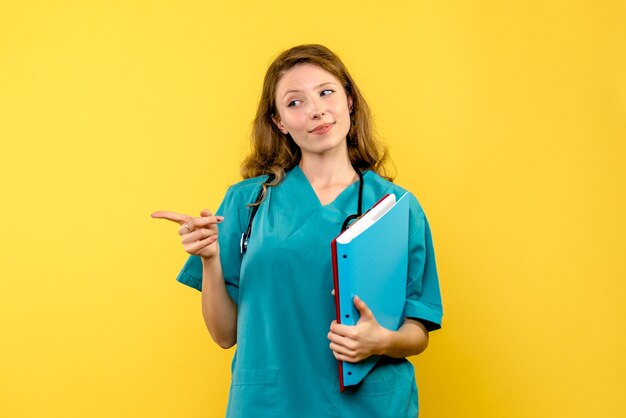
{"points": [[370, 260]]}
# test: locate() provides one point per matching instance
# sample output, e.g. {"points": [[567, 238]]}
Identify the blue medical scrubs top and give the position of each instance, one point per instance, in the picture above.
{"points": [[283, 366]]}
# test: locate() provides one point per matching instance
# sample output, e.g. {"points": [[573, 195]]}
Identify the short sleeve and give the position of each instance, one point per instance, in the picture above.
{"points": [[234, 210], [423, 295]]}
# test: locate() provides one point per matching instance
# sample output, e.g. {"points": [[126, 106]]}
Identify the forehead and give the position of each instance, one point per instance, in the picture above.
{"points": [[304, 77]]}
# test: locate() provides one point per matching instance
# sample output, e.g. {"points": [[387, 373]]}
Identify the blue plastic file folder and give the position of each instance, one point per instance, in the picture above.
{"points": [[373, 265]]}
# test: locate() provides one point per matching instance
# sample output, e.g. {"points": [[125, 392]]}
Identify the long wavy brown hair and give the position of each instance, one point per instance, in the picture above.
{"points": [[273, 153]]}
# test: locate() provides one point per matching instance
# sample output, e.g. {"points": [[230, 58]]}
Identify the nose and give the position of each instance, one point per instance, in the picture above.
{"points": [[315, 108]]}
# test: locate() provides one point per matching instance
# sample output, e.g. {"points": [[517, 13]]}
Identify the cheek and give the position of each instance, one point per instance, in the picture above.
{"points": [[342, 113], [295, 121], [340, 107]]}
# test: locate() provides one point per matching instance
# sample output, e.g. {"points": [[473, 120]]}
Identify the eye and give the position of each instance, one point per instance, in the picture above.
{"points": [[292, 103], [327, 90]]}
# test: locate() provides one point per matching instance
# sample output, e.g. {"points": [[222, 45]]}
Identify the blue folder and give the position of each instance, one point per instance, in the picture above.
{"points": [[373, 265]]}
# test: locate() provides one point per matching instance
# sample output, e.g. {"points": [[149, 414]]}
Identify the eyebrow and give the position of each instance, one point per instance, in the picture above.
{"points": [[317, 87]]}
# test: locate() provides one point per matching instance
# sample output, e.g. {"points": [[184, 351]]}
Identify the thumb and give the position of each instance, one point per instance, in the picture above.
{"points": [[365, 312], [205, 212]]}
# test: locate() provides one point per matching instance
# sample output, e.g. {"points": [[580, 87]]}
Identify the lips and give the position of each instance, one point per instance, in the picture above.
{"points": [[322, 128]]}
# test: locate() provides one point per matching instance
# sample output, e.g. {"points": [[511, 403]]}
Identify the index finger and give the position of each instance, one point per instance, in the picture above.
{"points": [[341, 329], [180, 218]]}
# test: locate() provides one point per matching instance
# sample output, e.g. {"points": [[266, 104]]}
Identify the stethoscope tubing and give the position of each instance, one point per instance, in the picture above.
{"points": [[243, 244]]}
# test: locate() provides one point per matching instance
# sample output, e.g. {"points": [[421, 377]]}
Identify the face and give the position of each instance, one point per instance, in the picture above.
{"points": [[314, 109]]}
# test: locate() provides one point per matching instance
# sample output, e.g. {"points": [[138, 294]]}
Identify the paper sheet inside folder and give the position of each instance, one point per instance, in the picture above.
{"points": [[370, 260], [367, 220]]}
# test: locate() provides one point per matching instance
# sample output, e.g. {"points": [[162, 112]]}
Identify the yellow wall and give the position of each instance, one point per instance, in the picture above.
{"points": [[506, 119]]}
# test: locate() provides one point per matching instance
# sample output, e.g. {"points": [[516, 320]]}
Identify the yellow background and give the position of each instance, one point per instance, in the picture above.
{"points": [[506, 119]]}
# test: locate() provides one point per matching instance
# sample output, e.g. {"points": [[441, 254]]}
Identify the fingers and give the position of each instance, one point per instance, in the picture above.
{"points": [[346, 331], [187, 228], [194, 247], [189, 224], [339, 349], [344, 358], [205, 219], [353, 358], [347, 343], [342, 341], [200, 231], [202, 222], [345, 349], [196, 235], [171, 216], [362, 307]]}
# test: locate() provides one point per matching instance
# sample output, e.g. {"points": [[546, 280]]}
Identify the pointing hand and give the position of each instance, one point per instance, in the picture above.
{"points": [[198, 235]]}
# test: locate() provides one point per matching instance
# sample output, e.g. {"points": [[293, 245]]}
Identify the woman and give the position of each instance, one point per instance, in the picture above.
{"points": [[272, 297]]}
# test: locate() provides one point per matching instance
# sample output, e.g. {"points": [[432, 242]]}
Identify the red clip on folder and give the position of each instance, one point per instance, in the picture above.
{"points": [[370, 259]]}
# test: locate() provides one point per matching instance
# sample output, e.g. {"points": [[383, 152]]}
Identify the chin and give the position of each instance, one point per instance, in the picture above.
{"points": [[327, 148], [325, 144]]}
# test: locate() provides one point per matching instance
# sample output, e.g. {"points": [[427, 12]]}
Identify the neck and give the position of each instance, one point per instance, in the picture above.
{"points": [[325, 171]]}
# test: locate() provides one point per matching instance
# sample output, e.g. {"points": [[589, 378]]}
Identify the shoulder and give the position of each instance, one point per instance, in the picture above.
{"points": [[240, 194], [242, 190], [248, 183], [236, 200]]}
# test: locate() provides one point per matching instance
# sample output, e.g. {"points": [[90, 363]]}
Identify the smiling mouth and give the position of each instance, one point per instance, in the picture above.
{"points": [[323, 128]]}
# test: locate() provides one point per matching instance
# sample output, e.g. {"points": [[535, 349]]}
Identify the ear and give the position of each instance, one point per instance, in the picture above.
{"points": [[279, 124], [350, 103]]}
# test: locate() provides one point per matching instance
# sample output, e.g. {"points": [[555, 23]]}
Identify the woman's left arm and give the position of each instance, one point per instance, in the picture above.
{"points": [[367, 338]]}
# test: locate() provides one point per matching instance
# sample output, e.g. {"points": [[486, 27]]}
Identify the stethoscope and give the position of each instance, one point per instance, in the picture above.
{"points": [[243, 244]]}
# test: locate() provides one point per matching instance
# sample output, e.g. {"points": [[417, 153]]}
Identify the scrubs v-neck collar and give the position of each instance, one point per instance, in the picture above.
{"points": [[345, 200]]}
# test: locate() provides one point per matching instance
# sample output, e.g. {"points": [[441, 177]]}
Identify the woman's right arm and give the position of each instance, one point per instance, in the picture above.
{"points": [[199, 237], [218, 309]]}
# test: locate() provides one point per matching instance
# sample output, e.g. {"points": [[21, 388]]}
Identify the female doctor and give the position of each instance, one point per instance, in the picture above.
{"points": [[263, 261]]}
